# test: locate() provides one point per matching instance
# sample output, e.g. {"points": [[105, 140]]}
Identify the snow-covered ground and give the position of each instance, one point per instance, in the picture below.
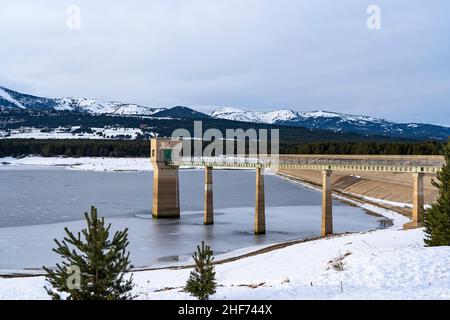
{"points": [[388, 202], [64, 133], [385, 264], [84, 163]]}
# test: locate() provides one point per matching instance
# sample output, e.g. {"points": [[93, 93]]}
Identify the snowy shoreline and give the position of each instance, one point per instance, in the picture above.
{"points": [[82, 164], [98, 164], [382, 264], [144, 165]]}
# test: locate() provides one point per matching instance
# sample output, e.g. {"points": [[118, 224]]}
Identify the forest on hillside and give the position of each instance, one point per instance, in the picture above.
{"points": [[139, 148], [373, 148]]}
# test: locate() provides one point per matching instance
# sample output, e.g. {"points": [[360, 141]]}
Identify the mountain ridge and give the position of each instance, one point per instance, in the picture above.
{"points": [[319, 119], [10, 99], [337, 122]]}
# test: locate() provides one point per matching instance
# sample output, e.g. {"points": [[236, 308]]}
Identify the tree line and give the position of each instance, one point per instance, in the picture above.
{"points": [[137, 148], [372, 148], [74, 148]]}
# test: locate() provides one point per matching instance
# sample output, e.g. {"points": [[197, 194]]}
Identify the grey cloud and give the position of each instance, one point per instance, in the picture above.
{"points": [[252, 54]]}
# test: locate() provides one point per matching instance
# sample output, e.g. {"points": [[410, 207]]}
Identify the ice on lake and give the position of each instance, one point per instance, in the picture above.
{"points": [[37, 204]]}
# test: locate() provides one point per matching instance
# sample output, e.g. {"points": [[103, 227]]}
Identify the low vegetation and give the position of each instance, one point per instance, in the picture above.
{"points": [[338, 263], [94, 266], [437, 217], [202, 280]]}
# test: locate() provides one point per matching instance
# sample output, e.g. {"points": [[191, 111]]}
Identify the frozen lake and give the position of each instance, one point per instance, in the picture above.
{"points": [[37, 203]]}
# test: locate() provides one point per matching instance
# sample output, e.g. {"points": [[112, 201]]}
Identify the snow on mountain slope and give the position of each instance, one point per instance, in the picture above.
{"points": [[99, 107], [277, 116], [337, 122], [234, 114], [274, 117], [322, 120], [249, 116], [341, 122], [6, 96], [328, 114], [10, 99]]}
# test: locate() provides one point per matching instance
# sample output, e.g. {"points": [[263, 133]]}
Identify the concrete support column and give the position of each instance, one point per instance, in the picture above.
{"points": [[418, 202], [178, 190], [260, 206], [166, 193], [209, 208], [166, 202], [327, 206]]}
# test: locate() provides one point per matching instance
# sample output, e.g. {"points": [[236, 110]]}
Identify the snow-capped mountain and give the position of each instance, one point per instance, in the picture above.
{"points": [[99, 107], [323, 120], [272, 117], [10, 99], [337, 122], [287, 116]]}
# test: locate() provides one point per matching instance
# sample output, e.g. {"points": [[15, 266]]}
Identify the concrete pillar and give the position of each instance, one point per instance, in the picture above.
{"points": [[327, 206], [166, 193], [260, 206], [178, 189], [418, 202], [209, 208], [166, 203]]}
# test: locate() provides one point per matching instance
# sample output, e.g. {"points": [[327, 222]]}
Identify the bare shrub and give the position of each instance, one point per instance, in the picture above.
{"points": [[338, 263]]}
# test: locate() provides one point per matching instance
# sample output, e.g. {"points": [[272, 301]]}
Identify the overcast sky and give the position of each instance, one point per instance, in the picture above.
{"points": [[250, 54]]}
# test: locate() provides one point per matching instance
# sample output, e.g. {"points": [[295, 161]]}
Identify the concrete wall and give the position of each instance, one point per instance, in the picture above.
{"points": [[389, 186]]}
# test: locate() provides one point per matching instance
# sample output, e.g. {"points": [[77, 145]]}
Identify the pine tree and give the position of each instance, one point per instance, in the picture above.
{"points": [[101, 264], [202, 280], [437, 218]]}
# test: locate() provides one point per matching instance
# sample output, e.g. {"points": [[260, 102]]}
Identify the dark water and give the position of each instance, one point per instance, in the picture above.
{"points": [[37, 204]]}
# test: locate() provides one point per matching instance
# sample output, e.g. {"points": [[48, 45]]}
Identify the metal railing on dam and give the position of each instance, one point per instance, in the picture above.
{"points": [[388, 163]]}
